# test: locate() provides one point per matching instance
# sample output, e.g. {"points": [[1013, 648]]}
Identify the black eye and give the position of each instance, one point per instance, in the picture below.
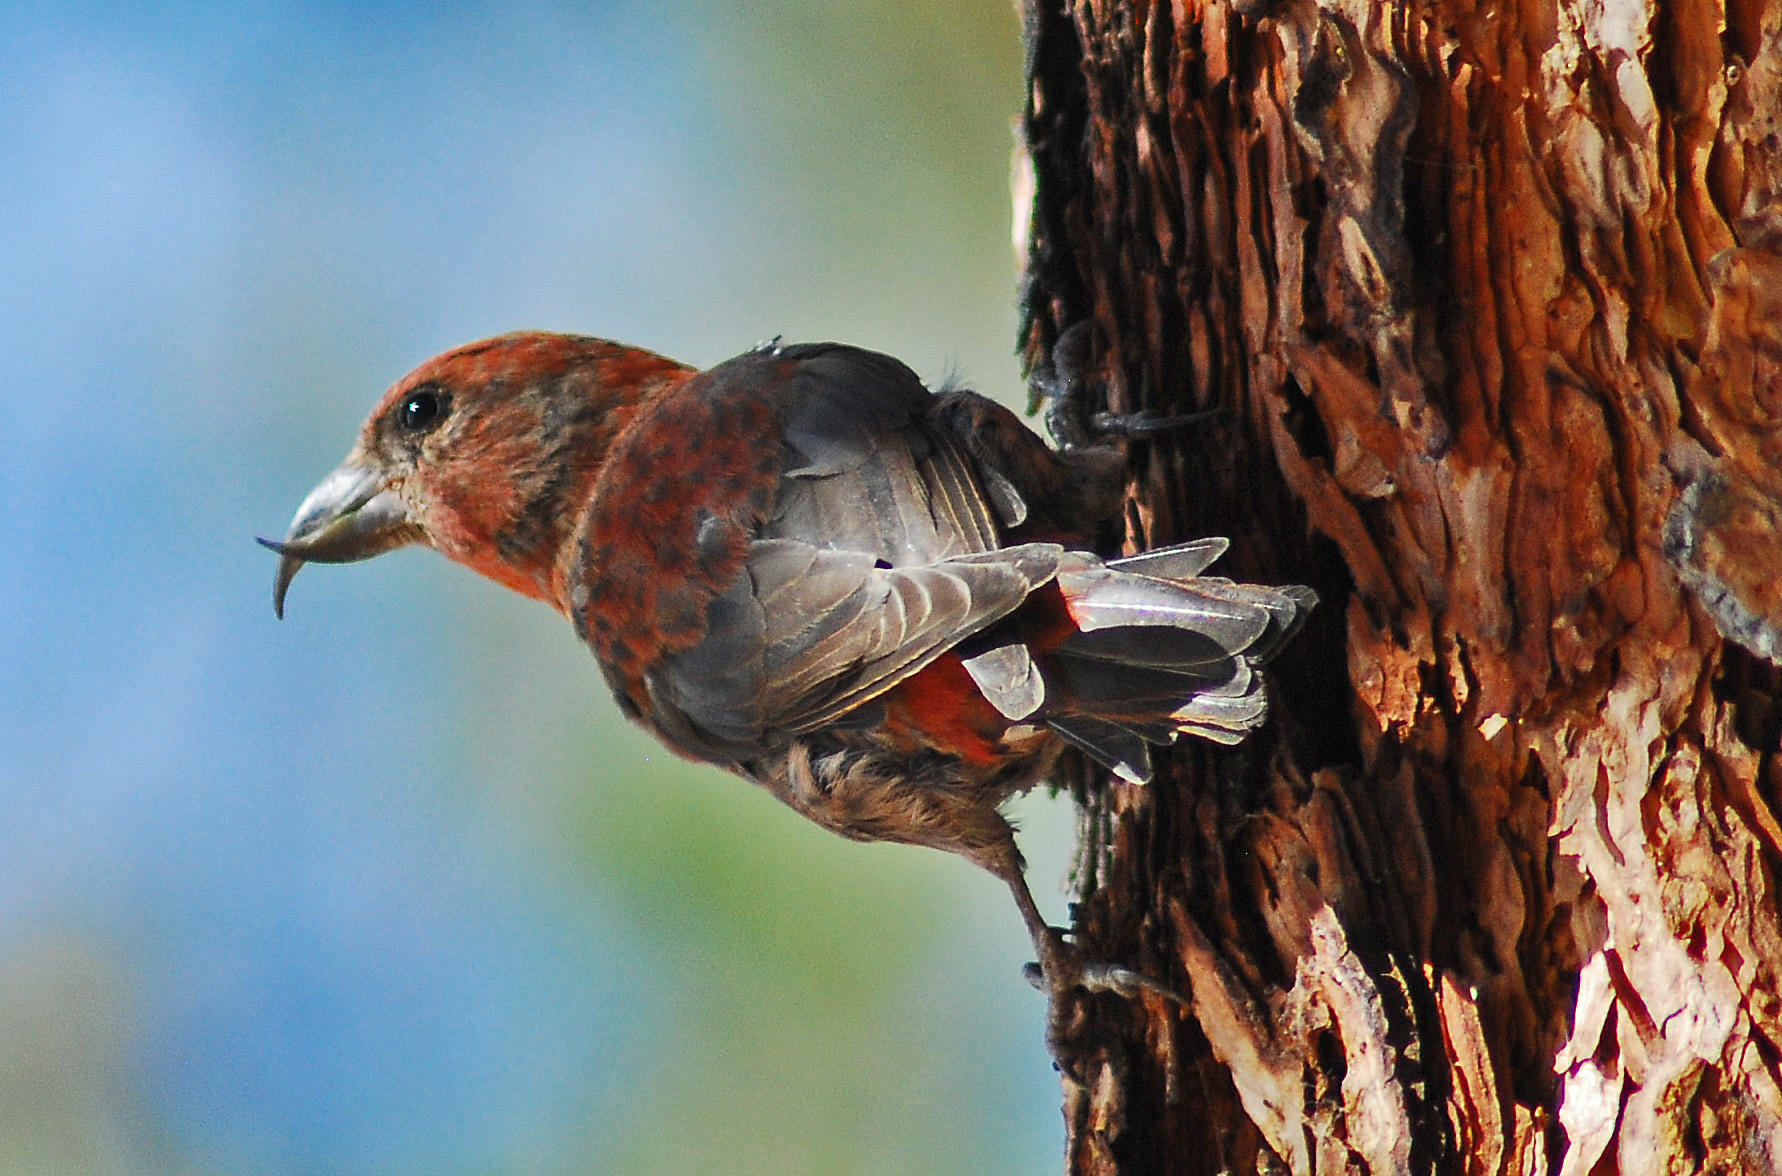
{"points": [[420, 411]]}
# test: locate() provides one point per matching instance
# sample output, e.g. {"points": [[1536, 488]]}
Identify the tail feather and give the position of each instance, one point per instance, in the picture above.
{"points": [[1101, 597], [1285, 621], [1183, 561], [1236, 715], [1223, 736], [1121, 751], [1097, 687], [1162, 651], [1154, 646]]}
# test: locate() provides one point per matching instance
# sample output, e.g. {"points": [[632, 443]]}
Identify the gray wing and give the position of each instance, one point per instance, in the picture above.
{"points": [[889, 625], [864, 471], [878, 556]]}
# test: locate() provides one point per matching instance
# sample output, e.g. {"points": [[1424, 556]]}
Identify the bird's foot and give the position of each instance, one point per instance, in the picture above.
{"points": [[1065, 381], [1061, 970], [1067, 977], [1096, 976], [1145, 423]]}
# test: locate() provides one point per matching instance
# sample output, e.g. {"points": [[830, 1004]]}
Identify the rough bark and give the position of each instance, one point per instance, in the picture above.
{"points": [[1489, 302]]}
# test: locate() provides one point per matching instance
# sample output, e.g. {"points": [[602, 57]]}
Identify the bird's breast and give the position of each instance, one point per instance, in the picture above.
{"points": [[684, 489]]}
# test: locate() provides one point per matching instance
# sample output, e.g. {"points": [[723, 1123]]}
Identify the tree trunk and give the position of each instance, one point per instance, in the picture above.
{"points": [[1488, 302]]}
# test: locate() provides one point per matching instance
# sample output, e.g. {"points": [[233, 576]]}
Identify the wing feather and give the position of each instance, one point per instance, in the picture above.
{"points": [[877, 555], [935, 608], [954, 498]]}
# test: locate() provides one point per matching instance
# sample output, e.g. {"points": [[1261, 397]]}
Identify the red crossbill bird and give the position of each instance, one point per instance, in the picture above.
{"points": [[873, 600]]}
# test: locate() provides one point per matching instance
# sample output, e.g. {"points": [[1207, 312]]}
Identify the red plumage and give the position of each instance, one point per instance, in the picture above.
{"points": [[805, 567]]}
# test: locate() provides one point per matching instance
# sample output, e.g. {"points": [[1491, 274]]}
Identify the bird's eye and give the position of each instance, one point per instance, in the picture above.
{"points": [[420, 411]]}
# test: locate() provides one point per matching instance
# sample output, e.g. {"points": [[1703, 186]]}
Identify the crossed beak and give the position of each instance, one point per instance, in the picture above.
{"points": [[351, 515]]}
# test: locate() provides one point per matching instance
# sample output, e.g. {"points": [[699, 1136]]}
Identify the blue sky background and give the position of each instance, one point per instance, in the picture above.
{"points": [[390, 887]]}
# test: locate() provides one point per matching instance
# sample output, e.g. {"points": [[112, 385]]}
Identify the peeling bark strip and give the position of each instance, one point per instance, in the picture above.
{"points": [[1489, 303]]}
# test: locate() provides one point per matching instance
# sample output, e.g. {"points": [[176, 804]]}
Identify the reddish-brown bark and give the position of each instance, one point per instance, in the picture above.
{"points": [[1490, 303]]}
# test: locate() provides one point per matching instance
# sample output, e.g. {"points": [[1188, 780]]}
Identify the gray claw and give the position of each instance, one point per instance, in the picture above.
{"points": [[1145, 422], [1096, 976], [1126, 982]]}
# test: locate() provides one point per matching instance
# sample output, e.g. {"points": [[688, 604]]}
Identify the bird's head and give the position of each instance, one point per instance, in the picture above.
{"points": [[486, 453]]}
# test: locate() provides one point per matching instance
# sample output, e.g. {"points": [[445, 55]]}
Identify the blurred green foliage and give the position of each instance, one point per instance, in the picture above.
{"points": [[810, 1005]]}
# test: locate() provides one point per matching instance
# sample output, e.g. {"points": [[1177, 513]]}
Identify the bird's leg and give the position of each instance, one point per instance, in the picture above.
{"points": [[1063, 379], [1061, 966]]}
